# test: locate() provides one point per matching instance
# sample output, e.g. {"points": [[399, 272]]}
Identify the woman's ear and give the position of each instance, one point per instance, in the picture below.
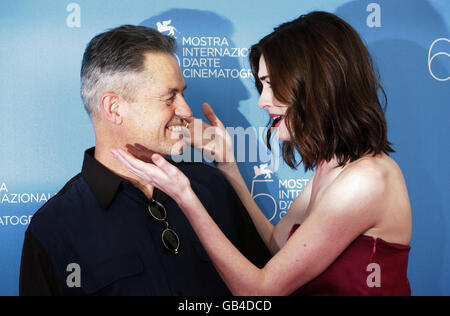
{"points": [[111, 108]]}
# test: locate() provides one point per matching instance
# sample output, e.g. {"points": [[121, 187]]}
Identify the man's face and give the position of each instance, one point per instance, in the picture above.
{"points": [[159, 109]]}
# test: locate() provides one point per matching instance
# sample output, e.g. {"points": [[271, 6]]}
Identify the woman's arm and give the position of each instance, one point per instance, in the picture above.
{"points": [[264, 227], [344, 211], [220, 148]]}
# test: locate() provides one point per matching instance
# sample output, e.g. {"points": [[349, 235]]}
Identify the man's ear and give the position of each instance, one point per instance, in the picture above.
{"points": [[111, 107]]}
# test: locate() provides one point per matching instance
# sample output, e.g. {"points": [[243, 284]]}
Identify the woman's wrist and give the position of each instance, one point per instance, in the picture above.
{"points": [[186, 198]]}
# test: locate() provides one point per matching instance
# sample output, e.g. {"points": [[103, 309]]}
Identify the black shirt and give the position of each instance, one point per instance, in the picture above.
{"points": [[100, 222]]}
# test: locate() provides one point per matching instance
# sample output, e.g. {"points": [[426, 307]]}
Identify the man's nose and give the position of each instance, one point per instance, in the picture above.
{"points": [[182, 109]]}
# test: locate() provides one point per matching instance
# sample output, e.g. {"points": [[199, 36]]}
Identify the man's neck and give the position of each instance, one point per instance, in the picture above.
{"points": [[104, 156]]}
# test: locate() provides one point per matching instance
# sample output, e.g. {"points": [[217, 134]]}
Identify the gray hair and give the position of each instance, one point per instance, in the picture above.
{"points": [[113, 60]]}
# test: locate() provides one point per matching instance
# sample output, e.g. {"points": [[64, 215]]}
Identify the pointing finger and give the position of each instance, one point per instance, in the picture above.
{"points": [[211, 116]]}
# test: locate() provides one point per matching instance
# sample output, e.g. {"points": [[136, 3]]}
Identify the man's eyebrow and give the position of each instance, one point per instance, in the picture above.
{"points": [[176, 90]]}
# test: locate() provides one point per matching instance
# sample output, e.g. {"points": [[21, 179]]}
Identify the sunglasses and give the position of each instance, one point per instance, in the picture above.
{"points": [[169, 237]]}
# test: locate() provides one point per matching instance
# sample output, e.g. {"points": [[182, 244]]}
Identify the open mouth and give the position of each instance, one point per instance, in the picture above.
{"points": [[277, 120], [175, 128]]}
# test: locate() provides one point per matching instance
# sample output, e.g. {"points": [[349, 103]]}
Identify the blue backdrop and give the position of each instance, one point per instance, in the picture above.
{"points": [[44, 129]]}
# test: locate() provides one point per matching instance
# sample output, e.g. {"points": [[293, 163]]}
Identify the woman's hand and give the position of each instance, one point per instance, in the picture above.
{"points": [[212, 139], [161, 174]]}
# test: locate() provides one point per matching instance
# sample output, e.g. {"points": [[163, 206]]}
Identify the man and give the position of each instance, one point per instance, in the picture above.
{"points": [[108, 233]]}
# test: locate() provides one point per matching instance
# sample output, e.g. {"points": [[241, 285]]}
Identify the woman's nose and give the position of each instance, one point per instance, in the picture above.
{"points": [[265, 100], [263, 105]]}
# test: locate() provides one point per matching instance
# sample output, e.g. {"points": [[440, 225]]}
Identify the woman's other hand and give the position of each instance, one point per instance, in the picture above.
{"points": [[212, 139]]}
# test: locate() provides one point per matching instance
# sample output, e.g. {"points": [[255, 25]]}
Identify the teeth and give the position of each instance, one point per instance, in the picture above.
{"points": [[175, 128]]}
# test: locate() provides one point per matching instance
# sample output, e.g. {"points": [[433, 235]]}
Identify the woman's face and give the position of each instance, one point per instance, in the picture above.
{"points": [[268, 102]]}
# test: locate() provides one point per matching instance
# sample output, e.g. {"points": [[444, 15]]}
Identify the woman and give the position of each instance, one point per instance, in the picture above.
{"points": [[348, 232]]}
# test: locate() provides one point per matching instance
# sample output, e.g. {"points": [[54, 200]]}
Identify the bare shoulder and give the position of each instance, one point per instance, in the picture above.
{"points": [[378, 172], [382, 183], [364, 179], [370, 187]]}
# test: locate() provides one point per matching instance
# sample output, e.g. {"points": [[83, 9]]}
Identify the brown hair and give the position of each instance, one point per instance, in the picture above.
{"points": [[319, 66]]}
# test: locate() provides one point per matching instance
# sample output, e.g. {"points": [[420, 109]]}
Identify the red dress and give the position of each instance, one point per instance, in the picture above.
{"points": [[351, 275]]}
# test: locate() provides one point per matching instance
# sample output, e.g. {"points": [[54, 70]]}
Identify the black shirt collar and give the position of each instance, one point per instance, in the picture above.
{"points": [[104, 183]]}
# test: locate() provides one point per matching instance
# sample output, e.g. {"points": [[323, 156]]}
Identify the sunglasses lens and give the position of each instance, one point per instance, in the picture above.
{"points": [[171, 240], [157, 210], [169, 237]]}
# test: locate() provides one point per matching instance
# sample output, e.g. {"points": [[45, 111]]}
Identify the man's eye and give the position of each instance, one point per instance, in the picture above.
{"points": [[170, 100]]}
